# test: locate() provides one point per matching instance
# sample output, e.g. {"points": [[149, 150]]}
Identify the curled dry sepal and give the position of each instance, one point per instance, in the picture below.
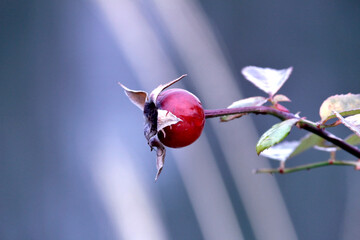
{"points": [[155, 119]]}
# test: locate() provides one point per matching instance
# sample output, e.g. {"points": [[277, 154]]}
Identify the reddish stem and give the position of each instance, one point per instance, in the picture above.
{"points": [[283, 116]]}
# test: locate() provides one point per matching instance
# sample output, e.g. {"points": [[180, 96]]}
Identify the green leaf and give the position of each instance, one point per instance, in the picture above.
{"points": [[247, 102], [275, 134], [324, 145], [353, 139], [137, 97], [345, 105], [309, 141], [286, 150]]}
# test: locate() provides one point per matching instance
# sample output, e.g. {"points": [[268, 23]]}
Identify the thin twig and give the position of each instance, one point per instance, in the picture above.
{"points": [[304, 124], [256, 110], [355, 164]]}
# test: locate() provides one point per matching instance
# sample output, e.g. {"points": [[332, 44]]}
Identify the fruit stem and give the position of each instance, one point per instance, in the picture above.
{"points": [[309, 166], [304, 124], [255, 109]]}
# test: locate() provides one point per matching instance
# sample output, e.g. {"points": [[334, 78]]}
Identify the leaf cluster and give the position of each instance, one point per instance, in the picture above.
{"points": [[344, 108]]}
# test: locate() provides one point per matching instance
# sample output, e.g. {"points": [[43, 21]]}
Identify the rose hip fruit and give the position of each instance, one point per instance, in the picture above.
{"points": [[187, 107]]}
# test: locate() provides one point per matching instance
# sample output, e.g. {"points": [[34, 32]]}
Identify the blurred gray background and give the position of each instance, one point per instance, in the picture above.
{"points": [[75, 164]]}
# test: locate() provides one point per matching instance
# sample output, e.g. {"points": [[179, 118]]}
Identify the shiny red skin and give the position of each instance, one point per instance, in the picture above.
{"points": [[187, 107]]}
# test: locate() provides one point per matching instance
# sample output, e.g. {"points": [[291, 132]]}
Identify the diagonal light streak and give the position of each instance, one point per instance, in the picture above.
{"points": [[128, 204], [197, 46], [143, 51]]}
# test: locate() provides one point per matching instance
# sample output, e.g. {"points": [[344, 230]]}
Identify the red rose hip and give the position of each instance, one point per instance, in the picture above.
{"points": [[187, 107]]}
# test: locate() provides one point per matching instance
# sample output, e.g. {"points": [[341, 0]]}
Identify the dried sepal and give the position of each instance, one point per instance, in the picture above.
{"points": [[163, 119], [155, 93], [166, 118], [155, 119], [137, 97], [160, 154], [151, 116]]}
